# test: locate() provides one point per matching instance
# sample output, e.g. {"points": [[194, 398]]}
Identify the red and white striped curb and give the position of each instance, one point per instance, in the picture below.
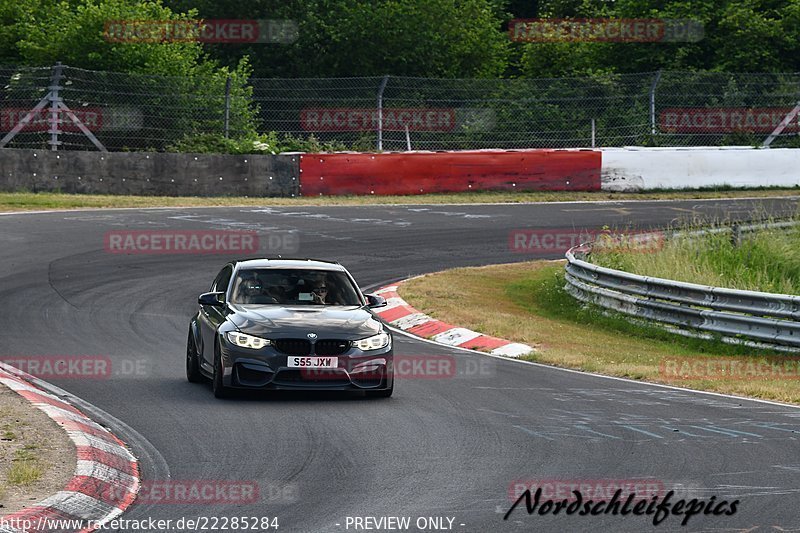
{"points": [[106, 478], [401, 315]]}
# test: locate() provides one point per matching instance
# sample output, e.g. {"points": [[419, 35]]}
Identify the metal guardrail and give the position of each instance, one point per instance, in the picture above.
{"points": [[734, 314]]}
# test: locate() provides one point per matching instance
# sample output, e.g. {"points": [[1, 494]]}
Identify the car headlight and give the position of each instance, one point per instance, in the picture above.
{"points": [[247, 341], [376, 342]]}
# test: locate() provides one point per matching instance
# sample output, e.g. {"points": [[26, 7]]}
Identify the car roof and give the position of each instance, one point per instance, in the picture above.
{"points": [[306, 264]]}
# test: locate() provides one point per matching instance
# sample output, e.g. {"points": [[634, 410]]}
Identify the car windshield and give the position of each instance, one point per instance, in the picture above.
{"points": [[277, 286]]}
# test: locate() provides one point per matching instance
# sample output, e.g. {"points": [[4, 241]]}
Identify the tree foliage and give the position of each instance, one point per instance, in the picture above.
{"points": [[431, 38], [740, 36]]}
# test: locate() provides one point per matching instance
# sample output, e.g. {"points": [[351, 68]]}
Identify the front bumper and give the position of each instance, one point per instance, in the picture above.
{"points": [[266, 369]]}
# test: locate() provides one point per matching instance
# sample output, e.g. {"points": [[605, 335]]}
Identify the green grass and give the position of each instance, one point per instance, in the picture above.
{"points": [[17, 201], [765, 261], [526, 302], [25, 468]]}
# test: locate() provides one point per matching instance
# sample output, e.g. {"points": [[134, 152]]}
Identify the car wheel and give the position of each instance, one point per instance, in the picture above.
{"points": [[192, 363], [220, 390]]}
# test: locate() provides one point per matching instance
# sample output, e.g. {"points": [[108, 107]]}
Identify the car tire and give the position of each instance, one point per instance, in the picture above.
{"points": [[193, 374], [220, 390]]}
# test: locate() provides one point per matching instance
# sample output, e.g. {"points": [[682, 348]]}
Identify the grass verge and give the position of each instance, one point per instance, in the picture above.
{"points": [[26, 201], [36, 456], [525, 302], [768, 260]]}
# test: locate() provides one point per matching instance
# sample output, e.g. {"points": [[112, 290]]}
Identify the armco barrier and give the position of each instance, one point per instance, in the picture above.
{"points": [[427, 172], [738, 315], [149, 173]]}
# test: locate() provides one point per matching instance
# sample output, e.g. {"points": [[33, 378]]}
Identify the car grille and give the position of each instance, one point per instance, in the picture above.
{"points": [[292, 346], [321, 378], [331, 347]]}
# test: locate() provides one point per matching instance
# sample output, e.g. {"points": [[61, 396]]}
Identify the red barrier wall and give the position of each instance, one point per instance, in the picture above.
{"points": [[426, 172]]}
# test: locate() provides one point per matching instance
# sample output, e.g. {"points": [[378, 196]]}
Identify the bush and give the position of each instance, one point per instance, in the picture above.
{"points": [[265, 143]]}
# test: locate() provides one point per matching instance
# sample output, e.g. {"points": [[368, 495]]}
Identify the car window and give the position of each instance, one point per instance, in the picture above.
{"points": [[223, 278], [278, 286]]}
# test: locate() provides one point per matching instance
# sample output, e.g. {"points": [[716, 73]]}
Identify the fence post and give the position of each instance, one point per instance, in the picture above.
{"points": [[227, 105], [736, 235], [594, 132], [382, 86], [55, 81], [653, 102]]}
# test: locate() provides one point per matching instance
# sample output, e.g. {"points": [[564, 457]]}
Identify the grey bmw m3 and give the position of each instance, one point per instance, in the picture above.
{"points": [[280, 324]]}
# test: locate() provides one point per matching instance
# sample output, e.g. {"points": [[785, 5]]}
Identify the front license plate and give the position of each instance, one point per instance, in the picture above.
{"points": [[313, 362]]}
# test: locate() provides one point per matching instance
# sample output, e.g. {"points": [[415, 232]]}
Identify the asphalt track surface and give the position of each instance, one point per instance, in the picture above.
{"points": [[447, 447]]}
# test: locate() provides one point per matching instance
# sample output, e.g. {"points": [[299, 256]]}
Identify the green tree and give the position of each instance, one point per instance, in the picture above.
{"points": [[440, 38], [740, 36]]}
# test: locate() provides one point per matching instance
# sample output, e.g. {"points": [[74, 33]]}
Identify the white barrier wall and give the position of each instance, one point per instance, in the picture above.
{"points": [[632, 169]]}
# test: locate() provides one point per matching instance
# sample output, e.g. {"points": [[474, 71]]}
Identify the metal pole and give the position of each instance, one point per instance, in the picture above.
{"points": [[55, 99], [653, 102], [408, 139], [382, 86], [736, 235], [593, 133], [782, 126], [227, 106]]}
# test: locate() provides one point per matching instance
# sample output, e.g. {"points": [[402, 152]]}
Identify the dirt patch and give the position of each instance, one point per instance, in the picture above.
{"points": [[37, 458]]}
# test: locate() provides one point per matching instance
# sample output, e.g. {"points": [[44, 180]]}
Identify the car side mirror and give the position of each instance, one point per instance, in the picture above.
{"points": [[373, 300], [216, 299]]}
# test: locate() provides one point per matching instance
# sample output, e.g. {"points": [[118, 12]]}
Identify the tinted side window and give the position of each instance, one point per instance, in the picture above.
{"points": [[222, 279]]}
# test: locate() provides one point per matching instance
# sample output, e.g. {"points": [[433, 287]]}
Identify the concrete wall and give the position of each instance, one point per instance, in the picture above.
{"points": [[621, 169], [467, 170], [631, 169], [142, 173]]}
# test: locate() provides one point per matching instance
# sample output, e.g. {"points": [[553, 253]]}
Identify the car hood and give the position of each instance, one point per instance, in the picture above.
{"points": [[348, 323]]}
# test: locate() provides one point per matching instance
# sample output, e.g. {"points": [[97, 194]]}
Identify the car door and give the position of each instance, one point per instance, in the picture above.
{"points": [[211, 317]]}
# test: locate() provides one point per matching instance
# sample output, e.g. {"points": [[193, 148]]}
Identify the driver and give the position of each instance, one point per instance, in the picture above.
{"points": [[319, 292], [251, 290]]}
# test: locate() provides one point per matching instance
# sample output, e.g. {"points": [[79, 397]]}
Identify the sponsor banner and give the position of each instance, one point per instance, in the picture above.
{"points": [[150, 242], [394, 119], [731, 368], [558, 241], [206, 31], [550, 30], [725, 119]]}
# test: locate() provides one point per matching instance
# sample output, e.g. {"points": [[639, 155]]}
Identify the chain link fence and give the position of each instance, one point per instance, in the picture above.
{"points": [[137, 112]]}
